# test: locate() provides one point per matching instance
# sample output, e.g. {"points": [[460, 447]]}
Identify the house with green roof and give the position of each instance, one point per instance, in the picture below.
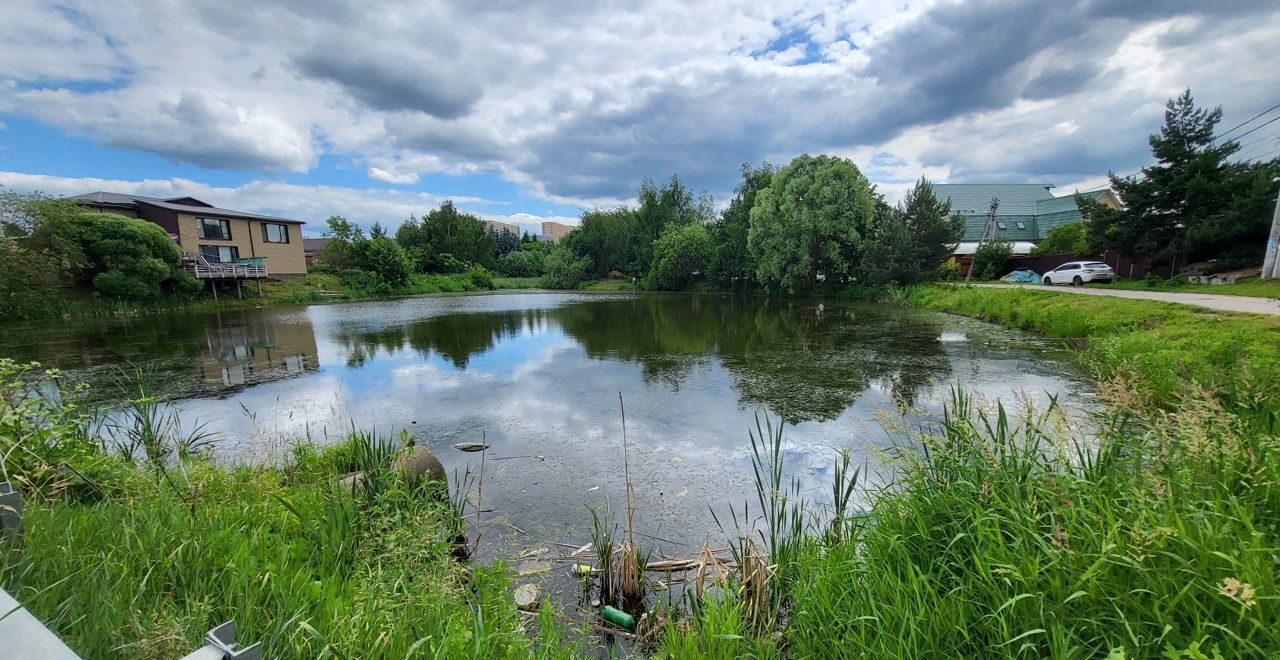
{"points": [[1025, 213]]}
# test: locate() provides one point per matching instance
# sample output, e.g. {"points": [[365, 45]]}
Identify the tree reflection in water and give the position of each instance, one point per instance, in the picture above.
{"points": [[805, 360]]}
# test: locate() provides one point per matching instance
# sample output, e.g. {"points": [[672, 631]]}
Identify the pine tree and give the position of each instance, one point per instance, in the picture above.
{"points": [[1193, 203]]}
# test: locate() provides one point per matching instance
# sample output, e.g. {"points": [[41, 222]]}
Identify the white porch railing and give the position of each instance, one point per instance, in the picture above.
{"points": [[204, 269]]}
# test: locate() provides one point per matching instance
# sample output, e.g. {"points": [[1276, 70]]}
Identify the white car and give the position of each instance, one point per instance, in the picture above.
{"points": [[1079, 272]]}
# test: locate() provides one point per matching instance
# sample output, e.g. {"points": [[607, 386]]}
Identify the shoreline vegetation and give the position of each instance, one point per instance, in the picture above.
{"points": [[1151, 532]]}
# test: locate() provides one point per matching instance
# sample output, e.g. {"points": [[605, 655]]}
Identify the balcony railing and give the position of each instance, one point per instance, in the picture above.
{"points": [[204, 269]]}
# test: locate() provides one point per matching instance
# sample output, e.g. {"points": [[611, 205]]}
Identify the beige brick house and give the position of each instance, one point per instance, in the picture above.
{"points": [[219, 235]]}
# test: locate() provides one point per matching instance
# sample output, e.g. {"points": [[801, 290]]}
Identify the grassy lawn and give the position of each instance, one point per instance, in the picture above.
{"points": [[1254, 287]]}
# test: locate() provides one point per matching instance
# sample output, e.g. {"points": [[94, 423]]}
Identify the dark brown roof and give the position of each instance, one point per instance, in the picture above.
{"points": [[176, 204], [314, 244]]}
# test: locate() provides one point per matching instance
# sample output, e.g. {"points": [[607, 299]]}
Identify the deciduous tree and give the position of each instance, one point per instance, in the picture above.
{"points": [[732, 265], [681, 256], [808, 225]]}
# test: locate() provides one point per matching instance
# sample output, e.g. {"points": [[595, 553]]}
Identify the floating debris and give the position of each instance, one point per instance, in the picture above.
{"points": [[533, 568], [471, 446], [618, 618]]}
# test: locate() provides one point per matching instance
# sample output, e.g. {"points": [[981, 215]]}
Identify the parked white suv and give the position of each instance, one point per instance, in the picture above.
{"points": [[1079, 272]]}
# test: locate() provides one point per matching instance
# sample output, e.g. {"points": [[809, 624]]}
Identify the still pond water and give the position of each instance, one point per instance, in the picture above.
{"points": [[539, 374]]}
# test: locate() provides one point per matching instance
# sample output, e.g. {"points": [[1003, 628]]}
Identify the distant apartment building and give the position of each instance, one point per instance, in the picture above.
{"points": [[500, 227], [220, 236], [554, 231]]}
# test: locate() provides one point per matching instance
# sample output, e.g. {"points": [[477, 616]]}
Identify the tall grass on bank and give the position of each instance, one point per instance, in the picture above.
{"points": [[167, 546], [1163, 351], [1011, 535]]}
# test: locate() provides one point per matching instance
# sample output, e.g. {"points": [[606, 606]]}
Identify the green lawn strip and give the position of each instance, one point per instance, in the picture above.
{"points": [[1253, 288]]}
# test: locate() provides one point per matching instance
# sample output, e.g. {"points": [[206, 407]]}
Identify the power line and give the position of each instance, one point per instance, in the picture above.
{"points": [[1269, 121], [1229, 130], [1273, 136], [1263, 157]]}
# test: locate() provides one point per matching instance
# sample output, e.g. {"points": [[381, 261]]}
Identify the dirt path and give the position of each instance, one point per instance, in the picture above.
{"points": [[1212, 301]]}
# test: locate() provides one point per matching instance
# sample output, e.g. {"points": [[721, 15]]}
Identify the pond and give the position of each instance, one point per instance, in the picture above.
{"points": [[539, 374]]}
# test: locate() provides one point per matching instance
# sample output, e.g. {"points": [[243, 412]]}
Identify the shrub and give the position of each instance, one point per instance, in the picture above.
{"points": [[948, 271], [681, 255], [185, 285], [1065, 239], [28, 283], [441, 263], [384, 258], [563, 270], [521, 263], [480, 277], [990, 257]]}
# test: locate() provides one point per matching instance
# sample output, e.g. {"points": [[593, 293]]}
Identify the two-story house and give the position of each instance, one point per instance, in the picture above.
{"points": [[218, 235]]}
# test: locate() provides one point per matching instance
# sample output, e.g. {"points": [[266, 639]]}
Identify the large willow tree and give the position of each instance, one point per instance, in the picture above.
{"points": [[808, 225]]}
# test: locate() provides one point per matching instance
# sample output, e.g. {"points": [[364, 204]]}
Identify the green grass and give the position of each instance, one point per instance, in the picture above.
{"points": [[1151, 531], [300, 566], [1254, 287], [616, 284], [1163, 350], [516, 283], [316, 287]]}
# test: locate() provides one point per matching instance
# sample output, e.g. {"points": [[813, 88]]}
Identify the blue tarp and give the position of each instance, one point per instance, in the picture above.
{"points": [[1023, 275]]}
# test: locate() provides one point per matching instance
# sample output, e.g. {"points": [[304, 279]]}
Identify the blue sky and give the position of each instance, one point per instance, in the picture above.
{"points": [[525, 112]]}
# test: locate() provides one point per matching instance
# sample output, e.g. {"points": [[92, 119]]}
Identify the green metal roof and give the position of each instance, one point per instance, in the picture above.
{"points": [[1065, 202], [975, 198], [1030, 205]]}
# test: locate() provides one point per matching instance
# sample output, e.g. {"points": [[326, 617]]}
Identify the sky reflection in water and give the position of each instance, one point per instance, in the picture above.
{"points": [[539, 375]]}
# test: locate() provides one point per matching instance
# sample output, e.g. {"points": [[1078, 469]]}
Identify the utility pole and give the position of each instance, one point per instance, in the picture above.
{"points": [[991, 222], [1271, 264]]}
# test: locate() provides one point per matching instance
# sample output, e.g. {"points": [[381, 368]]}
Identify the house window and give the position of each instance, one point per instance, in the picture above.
{"points": [[1021, 225], [220, 253], [1002, 225], [214, 229], [275, 233]]}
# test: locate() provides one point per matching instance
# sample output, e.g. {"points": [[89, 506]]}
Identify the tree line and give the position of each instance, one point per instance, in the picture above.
{"points": [[813, 223]]}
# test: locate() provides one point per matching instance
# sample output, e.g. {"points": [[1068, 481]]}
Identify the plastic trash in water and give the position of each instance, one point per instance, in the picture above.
{"points": [[618, 618]]}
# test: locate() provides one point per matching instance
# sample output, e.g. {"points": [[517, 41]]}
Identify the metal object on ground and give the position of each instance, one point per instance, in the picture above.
{"points": [[220, 644], [22, 634]]}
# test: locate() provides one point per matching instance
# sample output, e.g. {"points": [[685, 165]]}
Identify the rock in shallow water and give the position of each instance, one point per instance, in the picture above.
{"points": [[526, 597], [471, 446]]}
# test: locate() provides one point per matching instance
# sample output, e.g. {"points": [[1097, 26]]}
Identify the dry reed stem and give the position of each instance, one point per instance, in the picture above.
{"points": [[484, 443], [755, 576], [630, 580]]}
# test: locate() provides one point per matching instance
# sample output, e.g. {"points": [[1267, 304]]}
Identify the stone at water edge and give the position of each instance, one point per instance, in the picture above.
{"points": [[419, 461], [471, 446], [526, 596], [352, 482]]}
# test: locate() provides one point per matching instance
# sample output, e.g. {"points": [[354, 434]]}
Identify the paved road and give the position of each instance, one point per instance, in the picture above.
{"points": [[1212, 301]]}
